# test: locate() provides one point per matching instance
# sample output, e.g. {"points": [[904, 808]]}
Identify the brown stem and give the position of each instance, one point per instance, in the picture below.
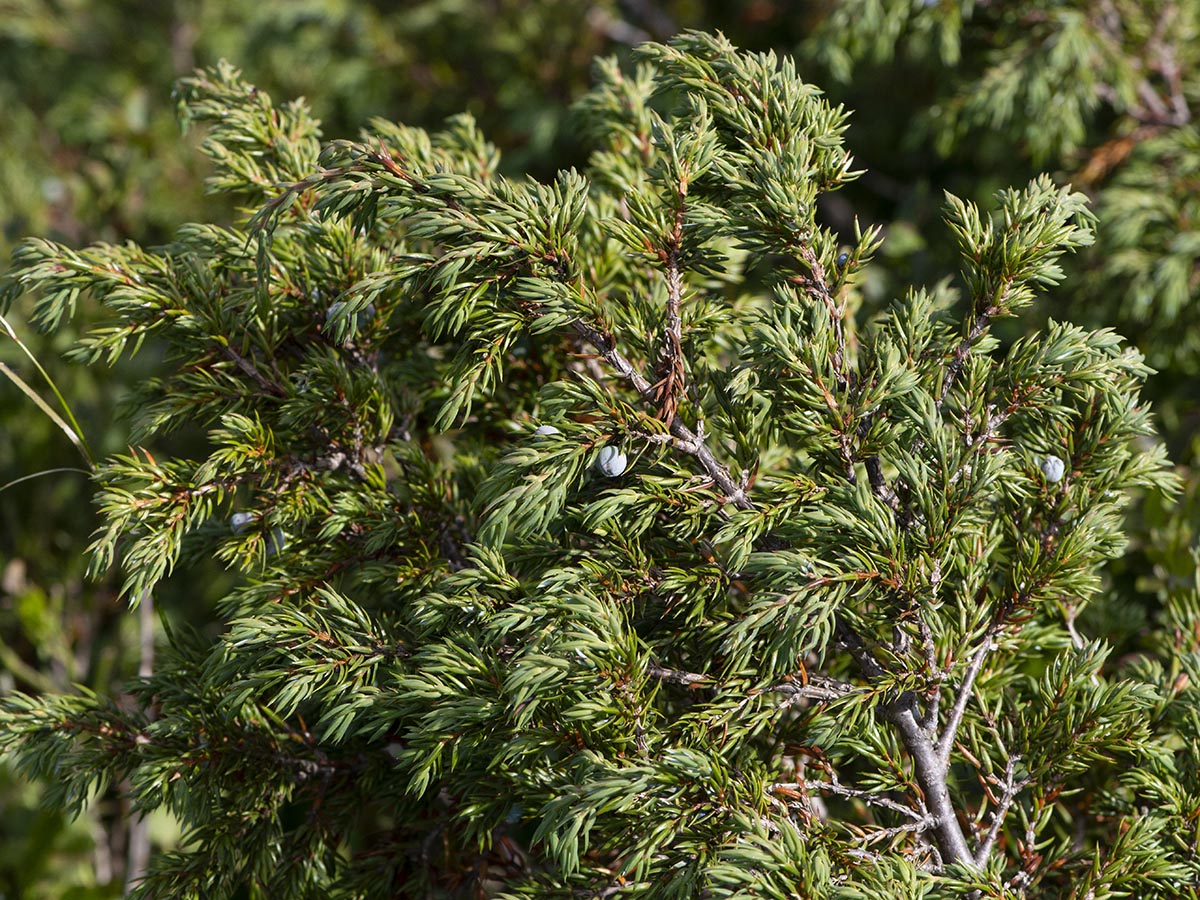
{"points": [[962, 351], [879, 484], [248, 367], [670, 369], [813, 687]]}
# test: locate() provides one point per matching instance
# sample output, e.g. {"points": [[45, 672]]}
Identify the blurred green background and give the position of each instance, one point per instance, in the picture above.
{"points": [[947, 96]]}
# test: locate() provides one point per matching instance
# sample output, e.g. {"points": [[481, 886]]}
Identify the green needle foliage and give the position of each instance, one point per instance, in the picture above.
{"points": [[594, 544]]}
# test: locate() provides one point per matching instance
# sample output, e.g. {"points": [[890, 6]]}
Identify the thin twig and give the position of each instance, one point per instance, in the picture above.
{"points": [[879, 484], [675, 676], [1012, 787], [850, 640], [878, 834], [670, 370], [932, 708], [870, 798], [813, 687], [137, 853], [248, 367], [963, 350], [946, 741]]}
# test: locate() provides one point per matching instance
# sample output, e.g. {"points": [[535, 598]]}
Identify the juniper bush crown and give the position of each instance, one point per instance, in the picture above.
{"points": [[598, 539]]}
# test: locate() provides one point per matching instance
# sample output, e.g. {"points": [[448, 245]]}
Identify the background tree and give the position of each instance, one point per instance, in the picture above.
{"points": [[597, 536]]}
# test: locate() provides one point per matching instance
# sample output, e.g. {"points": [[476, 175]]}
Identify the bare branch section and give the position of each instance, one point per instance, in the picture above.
{"points": [[811, 687], [931, 775], [931, 770], [879, 485], [676, 676]]}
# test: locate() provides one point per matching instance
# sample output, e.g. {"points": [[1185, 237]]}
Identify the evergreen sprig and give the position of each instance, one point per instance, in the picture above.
{"points": [[591, 544]]}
